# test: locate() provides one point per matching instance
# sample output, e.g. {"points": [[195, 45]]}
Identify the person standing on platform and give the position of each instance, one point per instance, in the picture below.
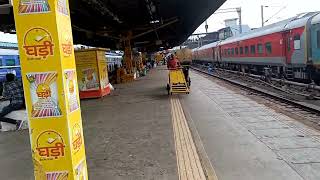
{"points": [[13, 91], [173, 62]]}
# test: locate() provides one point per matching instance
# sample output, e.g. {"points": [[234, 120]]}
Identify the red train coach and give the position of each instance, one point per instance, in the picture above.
{"points": [[282, 47]]}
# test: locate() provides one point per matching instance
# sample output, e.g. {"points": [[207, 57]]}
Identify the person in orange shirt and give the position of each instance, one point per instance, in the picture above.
{"points": [[173, 62]]}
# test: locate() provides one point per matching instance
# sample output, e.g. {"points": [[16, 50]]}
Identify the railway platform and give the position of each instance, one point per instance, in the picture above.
{"points": [[215, 132]]}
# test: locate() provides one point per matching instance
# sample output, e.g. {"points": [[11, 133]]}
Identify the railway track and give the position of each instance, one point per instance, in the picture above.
{"points": [[305, 112], [310, 91]]}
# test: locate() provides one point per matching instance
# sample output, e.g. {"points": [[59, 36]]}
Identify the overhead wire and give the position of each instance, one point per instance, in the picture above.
{"points": [[284, 7]]}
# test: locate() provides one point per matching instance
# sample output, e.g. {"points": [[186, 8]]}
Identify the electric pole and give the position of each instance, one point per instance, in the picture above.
{"points": [[262, 18], [262, 14], [240, 19], [206, 26]]}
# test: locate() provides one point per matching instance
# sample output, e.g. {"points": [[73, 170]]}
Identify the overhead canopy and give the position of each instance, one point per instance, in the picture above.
{"points": [[153, 23]]}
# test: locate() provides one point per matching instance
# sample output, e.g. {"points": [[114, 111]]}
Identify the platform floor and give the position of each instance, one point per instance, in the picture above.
{"points": [[128, 135], [246, 140], [139, 132]]}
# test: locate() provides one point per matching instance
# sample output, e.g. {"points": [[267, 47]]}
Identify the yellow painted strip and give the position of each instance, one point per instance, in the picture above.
{"points": [[180, 159], [193, 150], [188, 161], [178, 148]]}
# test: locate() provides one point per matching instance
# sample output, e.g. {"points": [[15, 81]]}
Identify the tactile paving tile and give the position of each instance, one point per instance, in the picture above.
{"points": [[189, 165]]}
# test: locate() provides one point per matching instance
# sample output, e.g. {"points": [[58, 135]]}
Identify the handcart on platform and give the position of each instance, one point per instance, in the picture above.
{"points": [[179, 81]]}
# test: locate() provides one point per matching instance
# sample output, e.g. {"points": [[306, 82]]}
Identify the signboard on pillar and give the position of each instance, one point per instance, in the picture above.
{"points": [[51, 88]]}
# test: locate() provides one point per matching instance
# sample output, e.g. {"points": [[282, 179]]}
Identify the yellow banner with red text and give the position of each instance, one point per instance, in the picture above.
{"points": [[51, 89]]}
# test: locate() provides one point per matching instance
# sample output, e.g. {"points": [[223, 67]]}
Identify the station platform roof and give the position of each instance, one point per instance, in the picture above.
{"points": [[154, 23]]}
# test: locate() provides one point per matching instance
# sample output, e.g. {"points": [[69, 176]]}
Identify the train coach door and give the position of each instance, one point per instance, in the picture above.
{"points": [[286, 45], [214, 54], [315, 44], [220, 53]]}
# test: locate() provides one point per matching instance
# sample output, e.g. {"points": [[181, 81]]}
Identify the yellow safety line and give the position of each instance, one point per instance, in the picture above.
{"points": [[188, 161]]}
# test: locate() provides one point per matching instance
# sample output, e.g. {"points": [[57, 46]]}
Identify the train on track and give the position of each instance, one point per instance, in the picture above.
{"points": [[9, 63], [113, 60], [288, 49]]}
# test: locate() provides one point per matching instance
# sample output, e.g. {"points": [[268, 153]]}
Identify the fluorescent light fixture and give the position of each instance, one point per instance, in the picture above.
{"points": [[154, 22]]}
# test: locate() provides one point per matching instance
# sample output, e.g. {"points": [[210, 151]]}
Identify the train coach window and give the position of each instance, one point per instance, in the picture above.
{"points": [[225, 52], [241, 50], [237, 51], [253, 49], [318, 39], [260, 48], [246, 50], [229, 52], [232, 51], [297, 42], [268, 47], [10, 62]]}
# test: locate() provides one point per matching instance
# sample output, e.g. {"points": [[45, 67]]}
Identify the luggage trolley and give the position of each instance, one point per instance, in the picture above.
{"points": [[179, 81]]}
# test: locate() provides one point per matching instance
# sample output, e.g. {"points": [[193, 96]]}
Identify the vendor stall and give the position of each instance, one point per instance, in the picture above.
{"points": [[92, 72]]}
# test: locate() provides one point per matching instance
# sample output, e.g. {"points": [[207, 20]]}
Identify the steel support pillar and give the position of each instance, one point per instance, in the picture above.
{"points": [[128, 53]]}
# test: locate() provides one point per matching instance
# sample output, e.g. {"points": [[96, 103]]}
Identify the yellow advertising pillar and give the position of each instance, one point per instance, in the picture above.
{"points": [[51, 89]]}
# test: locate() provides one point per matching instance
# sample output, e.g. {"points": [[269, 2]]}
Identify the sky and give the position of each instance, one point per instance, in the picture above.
{"points": [[251, 13]]}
